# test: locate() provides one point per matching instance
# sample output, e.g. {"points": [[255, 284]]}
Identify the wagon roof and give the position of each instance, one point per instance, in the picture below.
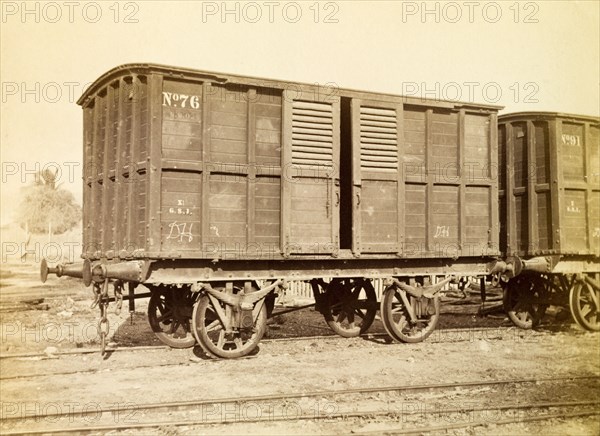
{"points": [[547, 114], [188, 73]]}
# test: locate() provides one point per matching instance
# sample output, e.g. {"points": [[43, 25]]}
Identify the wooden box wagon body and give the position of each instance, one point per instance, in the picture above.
{"points": [[214, 190], [190, 165], [550, 213]]}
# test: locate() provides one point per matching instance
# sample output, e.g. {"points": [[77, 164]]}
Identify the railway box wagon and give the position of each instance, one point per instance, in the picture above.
{"points": [[226, 186], [550, 211], [184, 164]]}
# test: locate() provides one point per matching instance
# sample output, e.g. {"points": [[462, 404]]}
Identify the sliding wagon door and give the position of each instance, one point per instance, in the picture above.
{"points": [[310, 173], [376, 179]]}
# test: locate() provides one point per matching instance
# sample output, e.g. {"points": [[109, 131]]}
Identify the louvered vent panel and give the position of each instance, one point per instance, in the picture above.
{"points": [[378, 140], [312, 134]]}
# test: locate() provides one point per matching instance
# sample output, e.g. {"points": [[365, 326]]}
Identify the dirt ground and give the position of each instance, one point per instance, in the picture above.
{"points": [[136, 377]]}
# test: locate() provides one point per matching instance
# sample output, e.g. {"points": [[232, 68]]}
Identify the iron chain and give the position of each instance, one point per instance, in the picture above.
{"points": [[103, 324], [118, 289]]}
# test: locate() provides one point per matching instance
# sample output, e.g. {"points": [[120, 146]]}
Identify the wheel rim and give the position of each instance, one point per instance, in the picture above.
{"points": [[525, 300], [396, 318], [216, 339], [351, 307], [583, 302], [170, 314]]}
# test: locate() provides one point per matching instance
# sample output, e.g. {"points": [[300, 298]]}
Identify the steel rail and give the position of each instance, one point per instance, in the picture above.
{"points": [[507, 421], [272, 340], [214, 360], [83, 351], [344, 415], [194, 404]]}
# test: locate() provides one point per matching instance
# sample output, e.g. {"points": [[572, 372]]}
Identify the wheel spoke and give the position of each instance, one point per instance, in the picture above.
{"points": [[519, 306], [167, 315], [401, 323], [585, 310], [397, 309], [355, 293], [361, 304], [360, 313], [335, 306], [594, 296], [214, 326], [219, 311], [221, 340]]}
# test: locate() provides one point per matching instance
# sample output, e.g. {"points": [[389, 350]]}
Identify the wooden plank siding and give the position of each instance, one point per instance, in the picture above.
{"points": [[379, 185], [450, 183], [139, 224], [99, 145], [207, 166], [222, 193], [265, 175], [88, 248], [310, 218], [553, 187]]}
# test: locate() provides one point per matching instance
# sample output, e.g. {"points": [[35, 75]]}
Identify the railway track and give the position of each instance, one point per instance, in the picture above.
{"points": [[447, 335], [469, 402], [442, 335], [483, 422]]}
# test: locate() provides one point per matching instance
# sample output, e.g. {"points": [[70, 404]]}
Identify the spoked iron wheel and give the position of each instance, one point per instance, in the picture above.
{"points": [[526, 299], [351, 306], [219, 334], [170, 314], [584, 302], [396, 318]]}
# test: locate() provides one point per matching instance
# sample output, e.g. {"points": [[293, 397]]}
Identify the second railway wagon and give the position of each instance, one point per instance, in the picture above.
{"points": [[550, 214], [215, 190]]}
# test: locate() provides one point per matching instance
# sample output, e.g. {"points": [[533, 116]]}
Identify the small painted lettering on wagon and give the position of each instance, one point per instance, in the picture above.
{"points": [[181, 232], [442, 232], [573, 208], [180, 209]]}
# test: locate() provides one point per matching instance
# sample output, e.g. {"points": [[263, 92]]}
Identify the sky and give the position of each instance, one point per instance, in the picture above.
{"points": [[525, 56]]}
